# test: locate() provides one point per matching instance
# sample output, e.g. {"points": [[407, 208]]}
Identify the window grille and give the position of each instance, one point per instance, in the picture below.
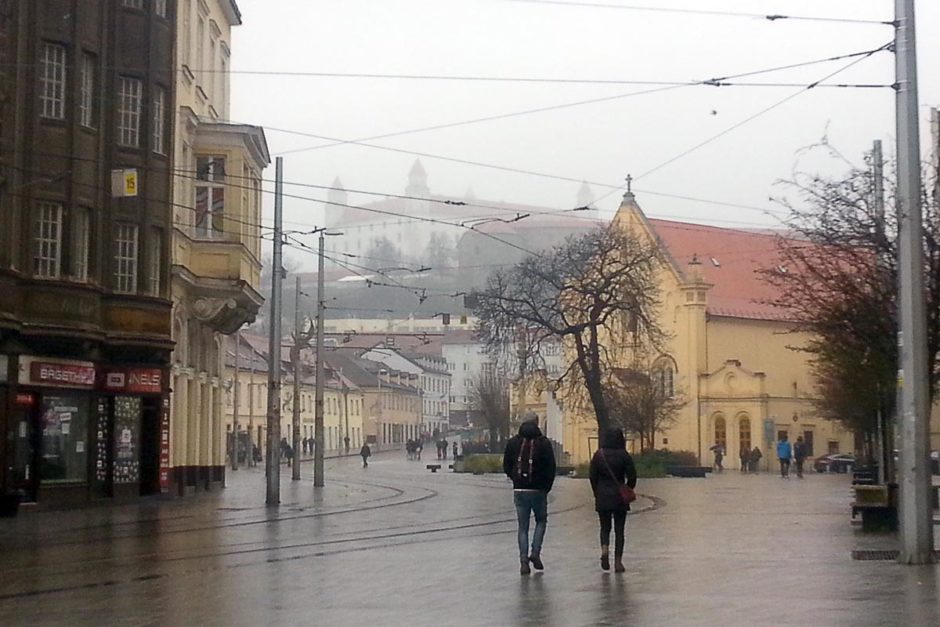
{"points": [[129, 111], [52, 82], [47, 245]]}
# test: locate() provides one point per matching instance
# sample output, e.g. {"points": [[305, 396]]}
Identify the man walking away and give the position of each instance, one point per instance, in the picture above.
{"points": [[719, 452], [784, 453], [799, 455], [530, 462], [754, 461], [745, 456], [366, 453]]}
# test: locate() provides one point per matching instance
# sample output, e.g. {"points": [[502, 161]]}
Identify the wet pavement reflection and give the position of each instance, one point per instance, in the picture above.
{"points": [[394, 544]]}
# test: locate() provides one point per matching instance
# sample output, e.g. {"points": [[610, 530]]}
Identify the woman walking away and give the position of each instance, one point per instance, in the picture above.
{"points": [[611, 467]]}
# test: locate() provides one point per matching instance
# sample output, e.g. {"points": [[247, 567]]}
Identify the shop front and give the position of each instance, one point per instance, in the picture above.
{"points": [[79, 431]]}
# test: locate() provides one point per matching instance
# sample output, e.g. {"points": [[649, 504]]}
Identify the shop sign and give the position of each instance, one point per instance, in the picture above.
{"points": [[135, 381], [51, 373], [25, 399]]}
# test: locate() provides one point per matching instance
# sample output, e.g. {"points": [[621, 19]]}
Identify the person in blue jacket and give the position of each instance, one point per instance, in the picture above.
{"points": [[784, 453]]}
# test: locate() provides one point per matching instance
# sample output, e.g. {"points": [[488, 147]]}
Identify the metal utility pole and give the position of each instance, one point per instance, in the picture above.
{"points": [[295, 364], [877, 161], [251, 407], [318, 399], [915, 512], [235, 406], [272, 461]]}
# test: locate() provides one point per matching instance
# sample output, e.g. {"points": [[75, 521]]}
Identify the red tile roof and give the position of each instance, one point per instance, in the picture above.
{"points": [[730, 260]]}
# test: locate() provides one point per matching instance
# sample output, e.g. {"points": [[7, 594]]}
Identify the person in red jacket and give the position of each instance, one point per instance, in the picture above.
{"points": [[529, 461]]}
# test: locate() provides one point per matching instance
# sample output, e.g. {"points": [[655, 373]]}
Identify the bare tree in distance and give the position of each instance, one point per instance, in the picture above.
{"points": [[838, 280], [582, 292], [489, 394], [643, 403]]}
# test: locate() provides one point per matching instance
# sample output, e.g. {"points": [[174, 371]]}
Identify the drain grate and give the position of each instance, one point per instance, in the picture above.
{"points": [[870, 555]]}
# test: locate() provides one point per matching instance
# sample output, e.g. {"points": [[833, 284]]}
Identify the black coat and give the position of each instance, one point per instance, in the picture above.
{"points": [[606, 487], [543, 459]]}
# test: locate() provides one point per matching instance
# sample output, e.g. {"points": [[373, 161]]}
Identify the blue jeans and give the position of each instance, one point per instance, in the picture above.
{"points": [[536, 502]]}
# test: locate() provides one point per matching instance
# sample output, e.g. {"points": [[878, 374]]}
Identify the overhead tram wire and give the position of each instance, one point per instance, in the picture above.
{"points": [[773, 17], [707, 82], [756, 115]]}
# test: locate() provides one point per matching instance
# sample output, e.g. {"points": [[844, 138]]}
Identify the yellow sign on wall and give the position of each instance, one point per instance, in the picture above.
{"points": [[124, 182]]}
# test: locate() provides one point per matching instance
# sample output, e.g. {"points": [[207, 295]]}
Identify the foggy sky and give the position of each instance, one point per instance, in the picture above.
{"points": [[600, 142]]}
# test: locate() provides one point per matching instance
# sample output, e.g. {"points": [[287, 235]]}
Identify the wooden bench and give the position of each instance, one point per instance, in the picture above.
{"points": [[434, 467], [877, 506]]}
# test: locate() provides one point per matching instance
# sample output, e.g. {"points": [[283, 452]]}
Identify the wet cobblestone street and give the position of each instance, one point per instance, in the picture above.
{"points": [[396, 545]]}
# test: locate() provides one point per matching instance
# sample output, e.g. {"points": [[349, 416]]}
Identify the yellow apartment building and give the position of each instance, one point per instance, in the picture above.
{"points": [[215, 250], [728, 354]]}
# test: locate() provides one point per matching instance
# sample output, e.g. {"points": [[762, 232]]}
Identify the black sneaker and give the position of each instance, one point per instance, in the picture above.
{"points": [[524, 567], [605, 562], [536, 560]]}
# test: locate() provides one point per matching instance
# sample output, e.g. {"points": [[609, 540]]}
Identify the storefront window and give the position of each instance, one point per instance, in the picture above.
{"points": [[64, 424]]}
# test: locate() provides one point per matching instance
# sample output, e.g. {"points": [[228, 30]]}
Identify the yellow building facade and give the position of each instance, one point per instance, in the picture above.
{"points": [[728, 354], [216, 246]]}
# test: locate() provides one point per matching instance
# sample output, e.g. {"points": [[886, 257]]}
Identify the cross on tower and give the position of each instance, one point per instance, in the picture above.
{"points": [[629, 183]]}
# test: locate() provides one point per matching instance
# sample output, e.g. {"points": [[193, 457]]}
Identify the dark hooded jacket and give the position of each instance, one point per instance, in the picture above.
{"points": [[606, 483], [542, 459]]}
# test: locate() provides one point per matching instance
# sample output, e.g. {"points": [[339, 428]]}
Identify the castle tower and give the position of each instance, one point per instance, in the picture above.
{"points": [[333, 213]]}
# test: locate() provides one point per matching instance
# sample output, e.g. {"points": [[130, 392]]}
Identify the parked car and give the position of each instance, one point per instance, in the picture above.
{"points": [[835, 462]]}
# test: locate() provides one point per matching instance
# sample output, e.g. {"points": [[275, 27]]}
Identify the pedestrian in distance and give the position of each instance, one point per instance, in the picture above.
{"points": [[799, 455], [784, 453], [346, 444], [719, 452], [745, 455], [754, 461], [366, 453], [419, 445], [611, 468], [529, 461], [455, 450], [444, 444]]}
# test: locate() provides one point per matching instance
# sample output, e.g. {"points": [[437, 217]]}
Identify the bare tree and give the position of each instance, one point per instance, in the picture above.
{"points": [[643, 403], [489, 394], [837, 278], [580, 292]]}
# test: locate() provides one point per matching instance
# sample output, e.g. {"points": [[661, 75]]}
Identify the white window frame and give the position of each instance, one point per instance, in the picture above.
{"points": [[52, 81], [47, 241], [80, 232], [129, 101], [86, 103], [214, 181], [154, 262], [125, 258], [159, 120], [159, 7]]}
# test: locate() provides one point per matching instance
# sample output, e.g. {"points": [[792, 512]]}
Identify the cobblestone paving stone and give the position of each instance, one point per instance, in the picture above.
{"points": [[396, 545]]}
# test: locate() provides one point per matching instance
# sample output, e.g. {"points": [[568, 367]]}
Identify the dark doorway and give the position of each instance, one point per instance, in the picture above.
{"points": [[150, 446], [808, 441], [24, 453]]}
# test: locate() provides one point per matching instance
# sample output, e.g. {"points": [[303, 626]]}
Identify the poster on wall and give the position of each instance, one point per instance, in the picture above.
{"points": [[126, 439], [63, 424]]}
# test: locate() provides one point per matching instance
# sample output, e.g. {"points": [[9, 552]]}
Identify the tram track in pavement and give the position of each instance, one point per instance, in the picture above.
{"points": [[361, 542], [364, 539]]}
